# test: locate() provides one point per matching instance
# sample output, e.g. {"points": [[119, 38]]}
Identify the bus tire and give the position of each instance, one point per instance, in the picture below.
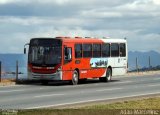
{"points": [[75, 78], [108, 77]]}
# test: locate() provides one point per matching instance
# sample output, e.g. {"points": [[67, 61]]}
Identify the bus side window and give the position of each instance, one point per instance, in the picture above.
{"points": [[114, 50], [96, 50], [67, 54], [122, 49], [87, 50], [106, 50], [78, 50]]}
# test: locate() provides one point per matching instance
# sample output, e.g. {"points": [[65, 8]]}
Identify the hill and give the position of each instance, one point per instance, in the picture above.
{"points": [[143, 59], [9, 61]]}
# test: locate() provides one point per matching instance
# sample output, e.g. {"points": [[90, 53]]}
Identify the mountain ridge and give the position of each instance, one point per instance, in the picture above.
{"points": [[9, 60], [143, 59]]}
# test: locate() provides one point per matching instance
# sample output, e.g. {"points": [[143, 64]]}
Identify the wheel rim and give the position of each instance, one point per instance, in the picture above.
{"points": [[108, 77], [75, 78]]}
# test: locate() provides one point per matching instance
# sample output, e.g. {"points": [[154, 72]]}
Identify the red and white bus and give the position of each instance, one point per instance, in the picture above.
{"points": [[74, 59]]}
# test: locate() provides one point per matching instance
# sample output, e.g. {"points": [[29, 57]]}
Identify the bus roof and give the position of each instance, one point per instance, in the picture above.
{"points": [[80, 39], [114, 40], [88, 39]]}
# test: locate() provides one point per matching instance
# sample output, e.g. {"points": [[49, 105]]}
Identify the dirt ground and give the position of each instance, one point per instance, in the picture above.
{"points": [[5, 82]]}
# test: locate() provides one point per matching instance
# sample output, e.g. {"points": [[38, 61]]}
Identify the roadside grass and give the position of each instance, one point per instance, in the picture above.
{"points": [[150, 103], [100, 109]]}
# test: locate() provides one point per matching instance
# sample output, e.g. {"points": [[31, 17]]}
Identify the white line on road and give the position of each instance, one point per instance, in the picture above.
{"points": [[12, 91], [156, 79], [18, 90], [94, 100], [49, 95], [98, 90], [29, 97], [154, 85], [109, 89], [11, 86], [124, 82]]}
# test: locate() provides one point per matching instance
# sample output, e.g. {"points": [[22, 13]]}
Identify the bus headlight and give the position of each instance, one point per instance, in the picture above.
{"points": [[59, 69]]}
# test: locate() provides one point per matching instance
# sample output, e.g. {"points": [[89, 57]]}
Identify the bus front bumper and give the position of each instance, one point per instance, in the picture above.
{"points": [[36, 76]]}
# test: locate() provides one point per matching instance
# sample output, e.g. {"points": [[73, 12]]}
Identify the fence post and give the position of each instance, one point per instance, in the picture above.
{"points": [[16, 71], [0, 71], [137, 65], [149, 62]]}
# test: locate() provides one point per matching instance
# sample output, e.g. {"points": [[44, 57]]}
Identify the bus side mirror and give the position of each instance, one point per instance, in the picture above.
{"points": [[24, 50]]}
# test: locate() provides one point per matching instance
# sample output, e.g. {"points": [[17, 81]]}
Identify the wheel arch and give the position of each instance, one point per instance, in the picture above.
{"points": [[78, 72], [109, 67]]}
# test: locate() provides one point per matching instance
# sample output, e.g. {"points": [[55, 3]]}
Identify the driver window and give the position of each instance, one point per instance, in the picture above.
{"points": [[67, 54]]}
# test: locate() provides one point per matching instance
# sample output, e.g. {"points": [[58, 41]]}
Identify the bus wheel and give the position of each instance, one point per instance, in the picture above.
{"points": [[75, 78], [108, 75]]}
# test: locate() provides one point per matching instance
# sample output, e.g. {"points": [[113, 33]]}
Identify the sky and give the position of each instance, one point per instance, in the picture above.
{"points": [[136, 20]]}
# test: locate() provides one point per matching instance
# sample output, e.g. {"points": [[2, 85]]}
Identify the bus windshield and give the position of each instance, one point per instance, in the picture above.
{"points": [[45, 52]]}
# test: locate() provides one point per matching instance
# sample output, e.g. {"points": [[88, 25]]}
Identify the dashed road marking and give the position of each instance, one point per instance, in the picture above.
{"points": [[109, 89], [49, 95]]}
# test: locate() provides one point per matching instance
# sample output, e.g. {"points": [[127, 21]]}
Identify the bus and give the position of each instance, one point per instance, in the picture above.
{"points": [[76, 59]]}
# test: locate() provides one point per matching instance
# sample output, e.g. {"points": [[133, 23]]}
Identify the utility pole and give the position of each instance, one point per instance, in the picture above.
{"points": [[149, 62], [16, 71], [137, 65], [0, 71]]}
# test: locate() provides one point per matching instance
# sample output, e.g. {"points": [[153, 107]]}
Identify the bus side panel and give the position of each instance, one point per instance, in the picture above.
{"points": [[67, 75], [84, 66], [87, 71], [118, 65], [68, 67], [96, 72]]}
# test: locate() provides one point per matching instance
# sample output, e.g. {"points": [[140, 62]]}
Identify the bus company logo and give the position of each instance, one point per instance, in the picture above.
{"points": [[83, 72], [97, 62]]}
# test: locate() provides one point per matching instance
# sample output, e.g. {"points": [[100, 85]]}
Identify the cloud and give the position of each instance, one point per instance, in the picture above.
{"points": [[138, 20], [50, 8], [100, 14], [8, 1], [157, 2]]}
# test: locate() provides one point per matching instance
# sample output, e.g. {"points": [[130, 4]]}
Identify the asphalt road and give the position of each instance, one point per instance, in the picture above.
{"points": [[58, 94]]}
